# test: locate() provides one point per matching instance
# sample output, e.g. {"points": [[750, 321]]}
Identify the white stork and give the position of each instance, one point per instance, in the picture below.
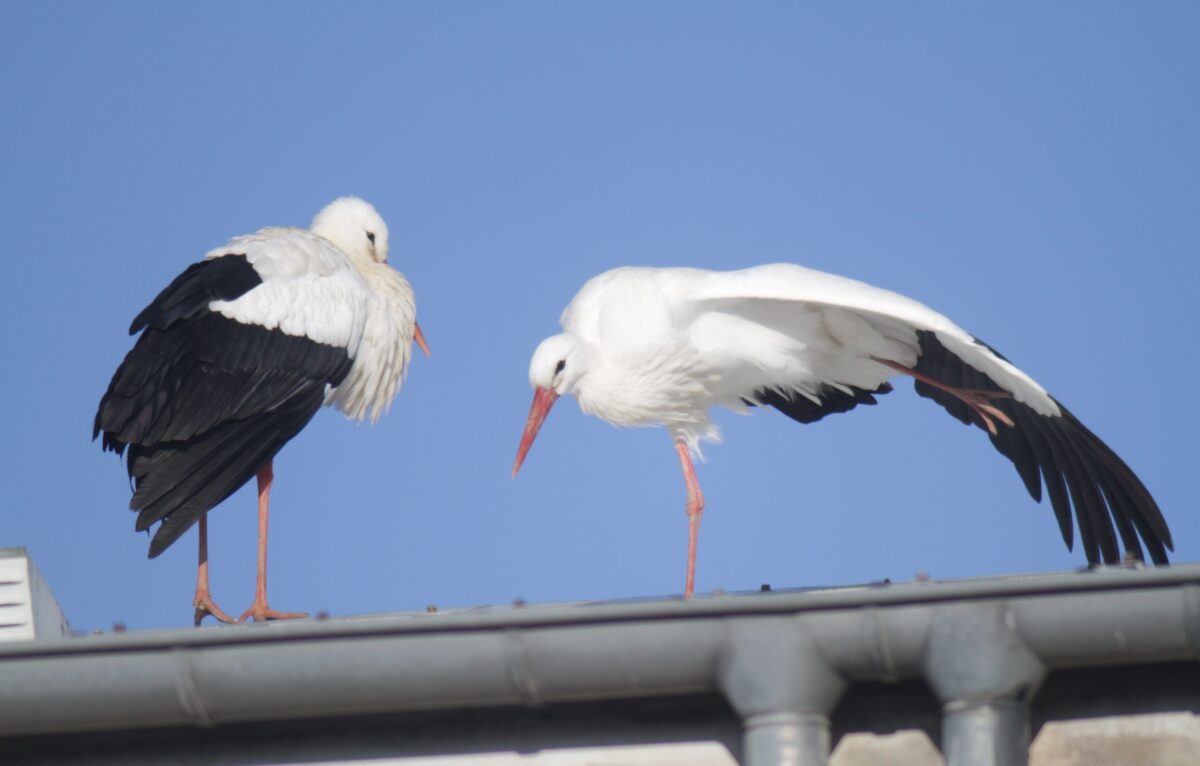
{"points": [[661, 347], [238, 353]]}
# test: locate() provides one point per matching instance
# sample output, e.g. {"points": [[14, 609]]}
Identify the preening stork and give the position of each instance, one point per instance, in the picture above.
{"points": [[661, 347], [238, 353]]}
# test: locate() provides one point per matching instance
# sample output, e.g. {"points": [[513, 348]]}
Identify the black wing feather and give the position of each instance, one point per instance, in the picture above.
{"points": [[1030, 424], [804, 410], [177, 482], [1087, 499], [203, 402], [1077, 468], [222, 278]]}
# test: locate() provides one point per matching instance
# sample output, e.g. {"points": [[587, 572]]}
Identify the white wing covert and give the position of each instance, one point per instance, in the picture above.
{"points": [[309, 289], [817, 343]]}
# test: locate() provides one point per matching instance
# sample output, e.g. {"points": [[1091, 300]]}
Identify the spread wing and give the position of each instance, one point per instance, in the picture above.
{"points": [[811, 344]]}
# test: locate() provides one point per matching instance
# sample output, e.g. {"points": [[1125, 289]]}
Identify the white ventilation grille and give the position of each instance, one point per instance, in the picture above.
{"points": [[28, 610]]}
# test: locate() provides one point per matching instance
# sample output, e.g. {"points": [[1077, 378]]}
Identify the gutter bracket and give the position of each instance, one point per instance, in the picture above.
{"points": [[774, 676], [985, 676]]}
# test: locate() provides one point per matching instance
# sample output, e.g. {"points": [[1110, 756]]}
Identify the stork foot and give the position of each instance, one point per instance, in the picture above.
{"points": [[981, 403], [204, 606], [979, 400], [260, 612]]}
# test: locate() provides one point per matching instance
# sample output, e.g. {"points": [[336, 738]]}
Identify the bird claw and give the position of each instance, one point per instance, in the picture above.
{"points": [[204, 606], [260, 612], [979, 400], [981, 403]]}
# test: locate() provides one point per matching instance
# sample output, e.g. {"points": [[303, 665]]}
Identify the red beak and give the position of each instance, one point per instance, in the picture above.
{"points": [[543, 400], [419, 337]]}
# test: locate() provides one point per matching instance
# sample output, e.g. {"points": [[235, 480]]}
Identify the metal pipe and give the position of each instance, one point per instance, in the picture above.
{"points": [[786, 739], [988, 734]]}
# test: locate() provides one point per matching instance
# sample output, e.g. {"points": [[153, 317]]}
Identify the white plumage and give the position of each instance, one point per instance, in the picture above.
{"points": [[662, 347], [381, 358], [309, 288], [239, 352], [327, 286]]}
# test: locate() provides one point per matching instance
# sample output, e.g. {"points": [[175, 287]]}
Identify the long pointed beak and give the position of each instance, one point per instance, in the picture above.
{"points": [[419, 337], [543, 400]]}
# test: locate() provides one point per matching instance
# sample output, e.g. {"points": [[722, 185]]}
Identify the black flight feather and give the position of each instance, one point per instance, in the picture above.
{"points": [[1078, 469], [800, 408]]}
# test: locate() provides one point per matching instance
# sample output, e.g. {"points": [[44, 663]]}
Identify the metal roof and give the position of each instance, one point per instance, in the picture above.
{"points": [[780, 663]]}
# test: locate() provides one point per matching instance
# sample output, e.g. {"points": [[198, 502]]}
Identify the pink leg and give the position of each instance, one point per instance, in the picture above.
{"points": [[259, 609], [695, 509], [977, 400], [203, 601]]}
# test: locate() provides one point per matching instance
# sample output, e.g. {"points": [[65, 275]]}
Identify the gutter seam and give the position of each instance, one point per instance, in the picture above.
{"points": [[888, 670], [1191, 616], [520, 674], [186, 690]]}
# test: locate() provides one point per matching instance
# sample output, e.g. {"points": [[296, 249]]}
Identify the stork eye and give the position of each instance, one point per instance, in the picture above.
{"points": [[561, 364], [371, 236]]}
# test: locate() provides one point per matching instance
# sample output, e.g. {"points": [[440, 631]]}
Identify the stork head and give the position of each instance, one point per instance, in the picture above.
{"points": [[355, 227], [358, 231], [557, 365]]}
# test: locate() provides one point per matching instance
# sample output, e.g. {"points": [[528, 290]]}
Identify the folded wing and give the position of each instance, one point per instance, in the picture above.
{"points": [[223, 375]]}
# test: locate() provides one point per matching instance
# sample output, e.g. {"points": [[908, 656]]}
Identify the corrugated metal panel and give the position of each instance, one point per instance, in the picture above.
{"points": [[28, 610], [16, 602]]}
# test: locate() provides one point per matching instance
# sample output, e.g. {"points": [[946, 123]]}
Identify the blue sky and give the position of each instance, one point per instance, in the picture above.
{"points": [[1031, 170]]}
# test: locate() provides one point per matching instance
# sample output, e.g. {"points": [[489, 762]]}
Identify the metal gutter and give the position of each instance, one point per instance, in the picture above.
{"points": [[782, 660], [883, 594]]}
